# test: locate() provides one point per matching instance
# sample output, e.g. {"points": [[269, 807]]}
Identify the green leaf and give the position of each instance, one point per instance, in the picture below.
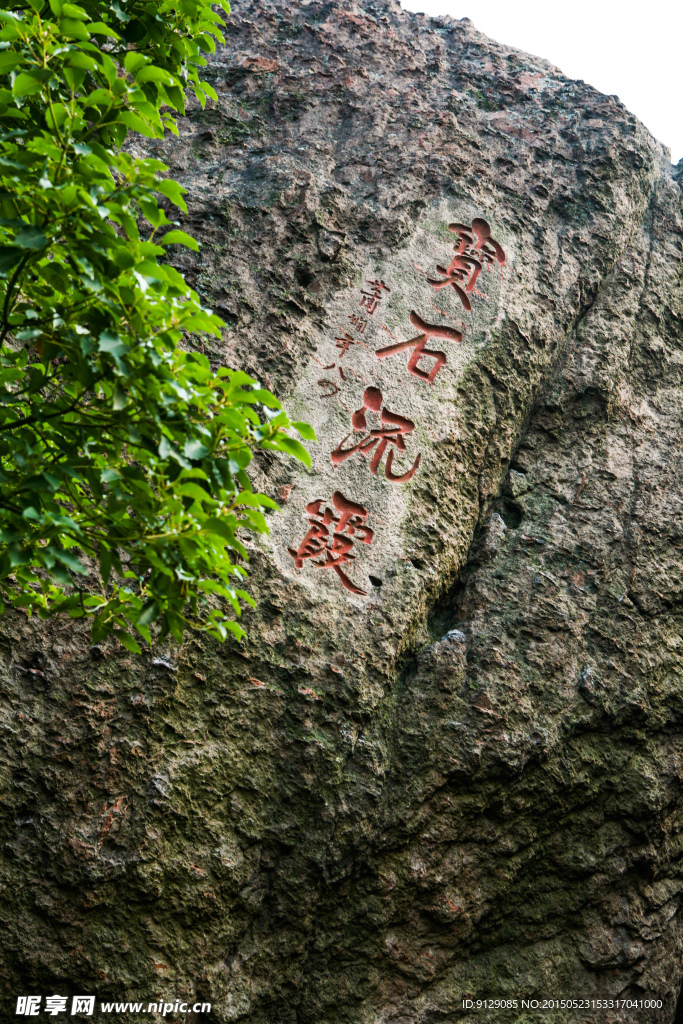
{"points": [[173, 191], [106, 561], [9, 61], [152, 74], [112, 344], [134, 60], [136, 124], [73, 11], [78, 59], [148, 615], [70, 561], [257, 500], [220, 527], [30, 238], [27, 83], [195, 449], [177, 237], [10, 255], [72, 28], [100, 29], [292, 447], [305, 430], [191, 490], [127, 641], [209, 90]]}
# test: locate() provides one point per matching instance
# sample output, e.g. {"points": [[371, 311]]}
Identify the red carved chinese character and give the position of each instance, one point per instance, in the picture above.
{"points": [[336, 549], [344, 342], [359, 322], [392, 433], [418, 346], [372, 298], [324, 382], [470, 256]]}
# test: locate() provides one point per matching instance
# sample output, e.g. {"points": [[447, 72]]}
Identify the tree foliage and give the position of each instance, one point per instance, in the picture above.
{"points": [[123, 454]]}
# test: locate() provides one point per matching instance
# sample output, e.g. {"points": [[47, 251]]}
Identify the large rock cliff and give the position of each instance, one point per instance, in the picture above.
{"points": [[446, 763]]}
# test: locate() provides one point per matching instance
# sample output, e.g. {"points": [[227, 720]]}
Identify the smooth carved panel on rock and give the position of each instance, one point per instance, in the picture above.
{"points": [[388, 397]]}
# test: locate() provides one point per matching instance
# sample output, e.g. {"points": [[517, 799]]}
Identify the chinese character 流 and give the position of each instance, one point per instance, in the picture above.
{"points": [[335, 550], [392, 432]]}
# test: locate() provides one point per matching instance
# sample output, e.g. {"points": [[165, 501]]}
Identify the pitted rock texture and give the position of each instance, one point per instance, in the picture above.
{"points": [[471, 788]]}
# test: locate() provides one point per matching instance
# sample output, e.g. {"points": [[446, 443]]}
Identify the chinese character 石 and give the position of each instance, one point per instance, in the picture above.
{"points": [[470, 256], [28, 1006], [418, 345], [335, 549], [371, 299], [359, 322], [391, 433], [55, 1005], [83, 1004]]}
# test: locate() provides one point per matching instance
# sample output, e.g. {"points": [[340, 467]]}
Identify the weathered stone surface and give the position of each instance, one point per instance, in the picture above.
{"points": [[466, 781]]}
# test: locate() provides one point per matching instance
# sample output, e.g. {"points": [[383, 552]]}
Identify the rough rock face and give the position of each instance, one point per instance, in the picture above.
{"points": [[448, 767]]}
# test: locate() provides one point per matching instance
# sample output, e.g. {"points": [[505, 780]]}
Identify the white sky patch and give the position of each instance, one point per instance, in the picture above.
{"points": [[630, 51]]}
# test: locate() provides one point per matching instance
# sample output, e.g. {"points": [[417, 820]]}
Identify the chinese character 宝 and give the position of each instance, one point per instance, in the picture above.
{"points": [[332, 537], [474, 250]]}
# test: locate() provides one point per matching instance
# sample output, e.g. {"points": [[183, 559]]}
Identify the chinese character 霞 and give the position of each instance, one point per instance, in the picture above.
{"points": [[392, 432], [28, 1006], [474, 250], [418, 345], [372, 298], [83, 1004], [55, 1005], [332, 537]]}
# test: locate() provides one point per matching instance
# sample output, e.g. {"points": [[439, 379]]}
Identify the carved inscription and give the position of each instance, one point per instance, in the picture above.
{"points": [[474, 250], [359, 322], [333, 531], [332, 537], [371, 299], [346, 340], [418, 344], [392, 432]]}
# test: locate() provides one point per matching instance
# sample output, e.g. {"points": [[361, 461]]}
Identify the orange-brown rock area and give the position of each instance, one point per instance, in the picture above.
{"points": [[456, 775]]}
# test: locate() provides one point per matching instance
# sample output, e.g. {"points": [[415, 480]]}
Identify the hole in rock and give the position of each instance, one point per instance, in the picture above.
{"points": [[376, 582], [511, 513], [304, 276]]}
